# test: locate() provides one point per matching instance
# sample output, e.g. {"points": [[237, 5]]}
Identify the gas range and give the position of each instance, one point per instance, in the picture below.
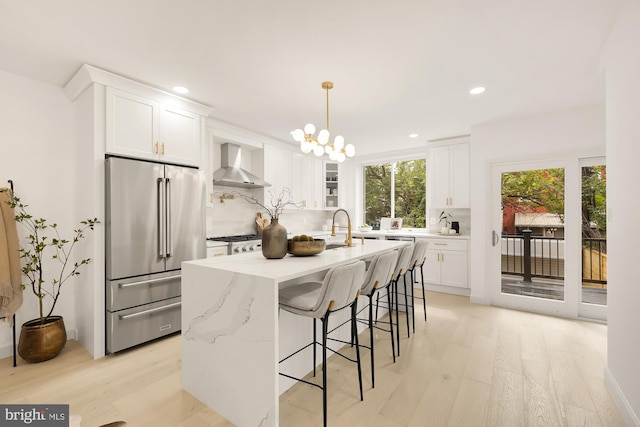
{"points": [[240, 243]]}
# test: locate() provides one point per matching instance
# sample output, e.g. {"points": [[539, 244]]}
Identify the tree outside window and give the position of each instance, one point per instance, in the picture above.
{"points": [[398, 187]]}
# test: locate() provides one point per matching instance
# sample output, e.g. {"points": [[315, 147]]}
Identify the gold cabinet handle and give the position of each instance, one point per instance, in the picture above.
{"points": [[162, 149], [156, 148]]}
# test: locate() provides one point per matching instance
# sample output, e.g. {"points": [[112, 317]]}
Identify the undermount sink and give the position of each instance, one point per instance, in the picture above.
{"points": [[335, 245]]}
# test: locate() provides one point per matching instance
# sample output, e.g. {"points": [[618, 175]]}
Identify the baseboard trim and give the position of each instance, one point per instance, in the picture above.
{"points": [[618, 396], [446, 289], [7, 350]]}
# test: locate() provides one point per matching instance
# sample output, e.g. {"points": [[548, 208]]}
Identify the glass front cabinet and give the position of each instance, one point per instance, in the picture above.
{"points": [[331, 185]]}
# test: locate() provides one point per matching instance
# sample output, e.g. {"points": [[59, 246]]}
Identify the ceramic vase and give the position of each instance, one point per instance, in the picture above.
{"points": [[274, 240]]}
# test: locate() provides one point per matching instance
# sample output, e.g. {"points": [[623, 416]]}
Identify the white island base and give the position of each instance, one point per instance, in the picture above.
{"points": [[230, 328]]}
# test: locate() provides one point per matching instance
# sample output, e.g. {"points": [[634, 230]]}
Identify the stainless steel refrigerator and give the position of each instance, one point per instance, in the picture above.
{"points": [[154, 222]]}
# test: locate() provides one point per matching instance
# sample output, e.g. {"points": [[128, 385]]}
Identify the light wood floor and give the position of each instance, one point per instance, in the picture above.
{"points": [[468, 365]]}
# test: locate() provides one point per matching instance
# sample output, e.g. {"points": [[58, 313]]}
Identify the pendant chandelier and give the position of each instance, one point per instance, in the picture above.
{"points": [[320, 145]]}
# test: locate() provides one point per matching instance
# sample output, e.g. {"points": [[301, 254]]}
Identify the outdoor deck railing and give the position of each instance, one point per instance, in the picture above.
{"points": [[537, 256], [533, 256], [594, 260]]}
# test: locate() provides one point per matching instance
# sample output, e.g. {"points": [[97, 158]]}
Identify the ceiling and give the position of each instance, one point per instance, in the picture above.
{"points": [[398, 67]]}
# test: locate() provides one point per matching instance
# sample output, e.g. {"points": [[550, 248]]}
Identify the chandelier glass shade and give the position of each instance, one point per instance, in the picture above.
{"points": [[320, 145]]}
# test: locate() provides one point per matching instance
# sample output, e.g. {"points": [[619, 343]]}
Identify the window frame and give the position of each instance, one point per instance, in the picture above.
{"points": [[392, 161]]}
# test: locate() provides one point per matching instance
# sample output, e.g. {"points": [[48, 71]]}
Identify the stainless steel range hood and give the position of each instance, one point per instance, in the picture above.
{"points": [[231, 174]]}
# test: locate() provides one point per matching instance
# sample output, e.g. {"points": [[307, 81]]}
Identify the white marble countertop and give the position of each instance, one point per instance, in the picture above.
{"points": [[392, 233], [289, 267]]}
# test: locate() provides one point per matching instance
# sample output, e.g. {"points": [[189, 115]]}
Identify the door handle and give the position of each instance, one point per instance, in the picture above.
{"points": [[495, 238], [160, 219], [167, 199]]}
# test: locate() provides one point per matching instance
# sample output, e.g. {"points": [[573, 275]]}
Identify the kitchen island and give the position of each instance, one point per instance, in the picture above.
{"points": [[230, 326]]}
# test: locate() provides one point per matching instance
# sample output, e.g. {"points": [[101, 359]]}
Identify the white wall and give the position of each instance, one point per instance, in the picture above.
{"points": [[37, 151], [622, 70], [565, 134]]}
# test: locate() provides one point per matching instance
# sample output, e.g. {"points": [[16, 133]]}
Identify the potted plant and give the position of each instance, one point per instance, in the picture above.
{"points": [[44, 337], [274, 235], [444, 216]]}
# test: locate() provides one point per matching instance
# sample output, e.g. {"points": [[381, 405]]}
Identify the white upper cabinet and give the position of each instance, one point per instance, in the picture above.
{"points": [[143, 128], [277, 171], [306, 180], [449, 176]]}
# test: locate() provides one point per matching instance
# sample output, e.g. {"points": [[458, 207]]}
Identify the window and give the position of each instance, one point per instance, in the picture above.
{"points": [[398, 187]]}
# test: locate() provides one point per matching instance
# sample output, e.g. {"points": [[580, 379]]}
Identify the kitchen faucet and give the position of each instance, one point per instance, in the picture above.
{"points": [[349, 242]]}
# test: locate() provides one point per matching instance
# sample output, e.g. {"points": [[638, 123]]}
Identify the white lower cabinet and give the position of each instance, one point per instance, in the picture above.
{"points": [[447, 263]]}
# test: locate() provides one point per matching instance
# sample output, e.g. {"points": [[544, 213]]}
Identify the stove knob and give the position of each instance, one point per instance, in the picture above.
{"points": [[245, 249], [252, 247], [236, 250]]}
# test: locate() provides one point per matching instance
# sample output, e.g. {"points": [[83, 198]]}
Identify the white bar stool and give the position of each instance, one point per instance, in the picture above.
{"points": [[378, 277], [339, 289], [417, 260]]}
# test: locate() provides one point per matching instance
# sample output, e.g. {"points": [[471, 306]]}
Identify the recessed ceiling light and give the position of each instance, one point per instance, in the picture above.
{"points": [[180, 89], [413, 135], [477, 90]]}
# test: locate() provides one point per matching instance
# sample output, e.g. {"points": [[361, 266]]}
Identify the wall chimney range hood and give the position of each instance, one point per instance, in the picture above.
{"points": [[231, 173]]}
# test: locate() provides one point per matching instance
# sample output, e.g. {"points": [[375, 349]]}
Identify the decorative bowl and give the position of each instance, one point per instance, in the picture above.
{"points": [[306, 248]]}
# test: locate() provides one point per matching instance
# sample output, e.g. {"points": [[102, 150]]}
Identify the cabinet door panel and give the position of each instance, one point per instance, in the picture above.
{"points": [[459, 177], [432, 267], [454, 268], [439, 177], [132, 125], [179, 136]]}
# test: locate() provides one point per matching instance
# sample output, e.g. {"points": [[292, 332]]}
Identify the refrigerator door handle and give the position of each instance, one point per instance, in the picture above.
{"points": [[167, 199], [161, 223]]}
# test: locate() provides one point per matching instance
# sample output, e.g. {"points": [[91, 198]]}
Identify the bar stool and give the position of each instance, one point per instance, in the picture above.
{"points": [[378, 277], [401, 267], [339, 289], [418, 258]]}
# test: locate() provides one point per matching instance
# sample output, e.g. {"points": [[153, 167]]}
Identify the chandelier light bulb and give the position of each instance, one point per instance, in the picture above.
{"points": [[340, 157], [338, 143], [318, 150], [328, 148], [298, 135], [306, 147], [349, 150], [332, 155], [309, 129], [323, 137]]}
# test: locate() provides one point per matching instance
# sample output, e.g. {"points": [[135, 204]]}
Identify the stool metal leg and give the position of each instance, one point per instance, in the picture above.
{"points": [[413, 316], [353, 319], [406, 303], [424, 299], [393, 347], [395, 295], [325, 322], [373, 375], [315, 341]]}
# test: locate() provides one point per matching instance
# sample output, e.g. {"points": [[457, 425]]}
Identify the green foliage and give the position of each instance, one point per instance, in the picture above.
{"points": [[377, 193], [409, 192], [43, 238], [534, 191], [594, 198]]}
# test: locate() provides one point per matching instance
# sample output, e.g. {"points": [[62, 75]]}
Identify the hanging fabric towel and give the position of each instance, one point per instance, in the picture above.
{"points": [[10, 273]]}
